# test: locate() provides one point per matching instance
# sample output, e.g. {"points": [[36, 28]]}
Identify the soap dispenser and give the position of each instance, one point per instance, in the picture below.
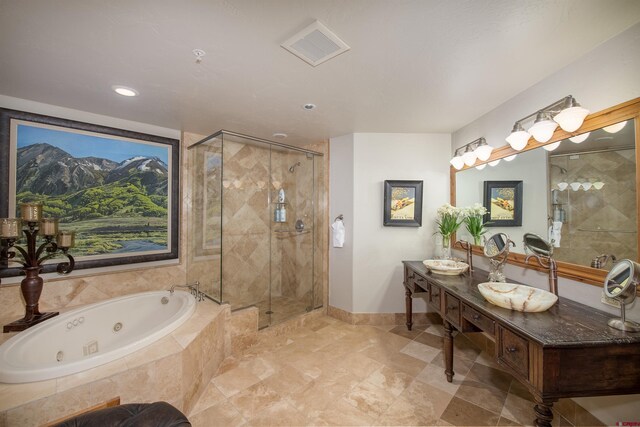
{"points": [[281, 206]]}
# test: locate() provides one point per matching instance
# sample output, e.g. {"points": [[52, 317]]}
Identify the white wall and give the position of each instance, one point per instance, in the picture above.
{"points": [[378, 251], [341, 169], [606, 76]]}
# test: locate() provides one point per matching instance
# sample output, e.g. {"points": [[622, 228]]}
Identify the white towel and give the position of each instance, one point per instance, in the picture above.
{"points": [[338, 233], [554, 233]]}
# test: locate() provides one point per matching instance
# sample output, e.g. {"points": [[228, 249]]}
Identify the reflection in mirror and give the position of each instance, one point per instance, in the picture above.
{"points": [[595, 215], [537, 245], [581, 197], [496, 248], [620, 284]]}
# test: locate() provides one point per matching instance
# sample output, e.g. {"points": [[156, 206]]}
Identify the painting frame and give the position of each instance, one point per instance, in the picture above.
{"points": [[8, 172], [412, 187], [514, 187]]}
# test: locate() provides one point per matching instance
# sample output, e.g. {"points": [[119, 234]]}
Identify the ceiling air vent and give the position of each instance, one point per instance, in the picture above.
{"points": [[315, 44]]}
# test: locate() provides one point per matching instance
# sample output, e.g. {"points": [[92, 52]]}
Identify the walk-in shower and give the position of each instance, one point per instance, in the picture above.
{"points": [[255, 226]]}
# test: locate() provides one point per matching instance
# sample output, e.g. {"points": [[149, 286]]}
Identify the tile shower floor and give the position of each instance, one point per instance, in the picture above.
{"points": [[330, 373], [281, 309]]}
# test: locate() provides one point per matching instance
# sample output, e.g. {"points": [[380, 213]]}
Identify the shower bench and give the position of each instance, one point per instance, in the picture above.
{"points": [[566, 351]]}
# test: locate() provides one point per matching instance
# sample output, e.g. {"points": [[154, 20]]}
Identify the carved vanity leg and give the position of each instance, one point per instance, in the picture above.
{"points": [[544, 416], [408, 308], [448, 351]]}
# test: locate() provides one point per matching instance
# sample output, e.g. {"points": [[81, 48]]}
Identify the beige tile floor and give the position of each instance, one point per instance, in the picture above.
{"points": [[330, 373]]}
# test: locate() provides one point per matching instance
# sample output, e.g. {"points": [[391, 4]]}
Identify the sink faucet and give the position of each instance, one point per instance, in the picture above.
{"points": [[601, 260], [193, 289], [466, 246], [550, 264]]}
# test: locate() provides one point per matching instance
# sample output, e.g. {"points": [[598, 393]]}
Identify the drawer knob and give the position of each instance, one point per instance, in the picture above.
{"points": [[476, 317], [512, 349]]}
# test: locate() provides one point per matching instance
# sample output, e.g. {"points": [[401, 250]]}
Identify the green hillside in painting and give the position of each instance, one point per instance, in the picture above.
{"points": [[113, 207]]}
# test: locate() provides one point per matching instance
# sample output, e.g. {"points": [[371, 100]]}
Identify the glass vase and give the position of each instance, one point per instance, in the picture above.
{"points": [[477, 240], [446, 247]]}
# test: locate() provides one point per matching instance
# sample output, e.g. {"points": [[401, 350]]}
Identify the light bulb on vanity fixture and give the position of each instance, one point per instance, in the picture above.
{"points": [[543, 127], [457, 162], [615, 128], [483, 150], [572, 116], [552, 146], [518, 138], [494, 162], [469, 156], [598, 185], [482, 166], [586, 185], [566, 112], [511, 157], [580, 138], [563, 185], [575, 186]]}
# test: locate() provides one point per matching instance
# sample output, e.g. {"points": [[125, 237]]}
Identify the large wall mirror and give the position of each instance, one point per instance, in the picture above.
{"points": [[581, 194]]}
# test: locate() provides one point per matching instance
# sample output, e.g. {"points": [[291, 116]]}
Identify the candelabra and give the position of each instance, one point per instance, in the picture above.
{"points": [[32, 256]]}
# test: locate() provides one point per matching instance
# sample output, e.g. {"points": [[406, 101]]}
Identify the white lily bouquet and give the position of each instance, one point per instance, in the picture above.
{"points": [[474, 221]]}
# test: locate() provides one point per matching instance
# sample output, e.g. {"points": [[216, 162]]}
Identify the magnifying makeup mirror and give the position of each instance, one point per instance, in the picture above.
{"points": [[620, 284], [496, 248], [536, 245]]}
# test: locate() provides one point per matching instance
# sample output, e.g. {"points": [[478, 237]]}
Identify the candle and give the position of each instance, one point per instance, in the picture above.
{"points": [[49, 226], [66, 239], [9, 228], [31, 212]]}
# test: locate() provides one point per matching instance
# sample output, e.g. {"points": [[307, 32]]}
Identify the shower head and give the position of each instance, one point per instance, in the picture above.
{"points": [[293, 167]]}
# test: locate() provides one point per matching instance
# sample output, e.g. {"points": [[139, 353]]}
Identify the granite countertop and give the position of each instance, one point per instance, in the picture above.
{"points": [[567, 323]]}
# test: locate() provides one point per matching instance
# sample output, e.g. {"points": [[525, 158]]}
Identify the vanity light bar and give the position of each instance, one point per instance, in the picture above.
{"points": [[565, 112], [469, 153]]}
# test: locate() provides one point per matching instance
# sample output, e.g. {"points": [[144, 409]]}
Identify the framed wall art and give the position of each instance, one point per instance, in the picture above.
{"points": [[403, 203], [503, 201], [117, 189]]}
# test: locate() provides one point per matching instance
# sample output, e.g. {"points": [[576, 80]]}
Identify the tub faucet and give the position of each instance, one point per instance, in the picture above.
{"points": [[601, 260], [193, 289]]}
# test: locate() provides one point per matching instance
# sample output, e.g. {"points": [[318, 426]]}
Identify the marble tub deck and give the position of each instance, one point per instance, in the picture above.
{"points": [[331, 373], [175, 369]]}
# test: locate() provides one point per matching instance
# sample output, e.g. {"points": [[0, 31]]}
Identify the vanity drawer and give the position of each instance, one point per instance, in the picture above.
{"points": [[416, 283], [513, 350], [452, 309], [434, 297], [478, 319]]}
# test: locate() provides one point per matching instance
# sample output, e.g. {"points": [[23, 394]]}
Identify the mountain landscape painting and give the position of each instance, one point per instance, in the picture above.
{"points": [[113, 192]]}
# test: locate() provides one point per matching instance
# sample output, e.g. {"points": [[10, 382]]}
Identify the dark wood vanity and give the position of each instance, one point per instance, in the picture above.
{"points": [[566, 351]]}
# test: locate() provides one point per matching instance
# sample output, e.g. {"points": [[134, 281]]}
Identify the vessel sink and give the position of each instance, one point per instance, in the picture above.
{"points": [[517, 297]]}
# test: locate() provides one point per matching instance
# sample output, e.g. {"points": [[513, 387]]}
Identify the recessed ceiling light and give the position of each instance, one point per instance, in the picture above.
{"points": [[280, 135], [125, 91], [309, 106]]}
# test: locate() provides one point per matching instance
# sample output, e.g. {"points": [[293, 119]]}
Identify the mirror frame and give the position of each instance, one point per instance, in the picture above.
{"points": [[618, 113]]}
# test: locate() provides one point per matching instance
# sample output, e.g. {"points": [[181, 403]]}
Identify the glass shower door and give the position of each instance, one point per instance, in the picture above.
{"points": [[292, 237]]}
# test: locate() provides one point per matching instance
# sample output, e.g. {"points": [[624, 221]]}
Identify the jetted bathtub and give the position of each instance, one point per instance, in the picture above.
{"points": [[92, 335]]}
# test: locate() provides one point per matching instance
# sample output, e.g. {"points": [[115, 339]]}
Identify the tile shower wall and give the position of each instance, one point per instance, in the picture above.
{"points": [[246, 216], [597, 221]]}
